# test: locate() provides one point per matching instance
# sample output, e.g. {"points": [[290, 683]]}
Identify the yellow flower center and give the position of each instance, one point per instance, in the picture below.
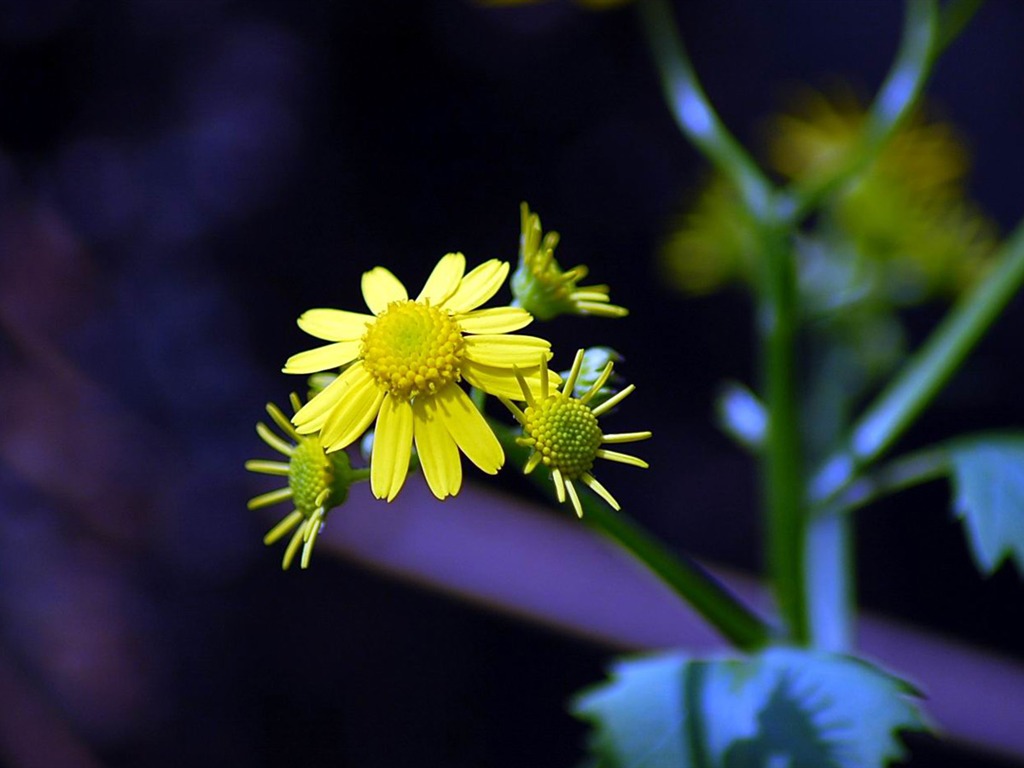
{"points": [[310, 476], [413, 348], [565, 433]]}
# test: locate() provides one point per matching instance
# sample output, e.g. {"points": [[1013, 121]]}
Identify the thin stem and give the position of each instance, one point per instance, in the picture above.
{"points": [[828, 557], [829, 553], [902, 473], [693, 112], [955, 16], [720, 608], [927, 371], [358, 475], [893, 104]]}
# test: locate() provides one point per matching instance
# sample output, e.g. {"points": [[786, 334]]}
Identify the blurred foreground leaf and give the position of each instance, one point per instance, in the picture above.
{"points": [[988, 487], [786, 707]]}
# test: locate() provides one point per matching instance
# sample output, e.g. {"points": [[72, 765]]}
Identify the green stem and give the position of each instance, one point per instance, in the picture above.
{"points": [[831, 593], [828, 557], [693, 112], [927, 371], [737, 623], [955, 16], [902, 473], [893, 104], [782, 458]]}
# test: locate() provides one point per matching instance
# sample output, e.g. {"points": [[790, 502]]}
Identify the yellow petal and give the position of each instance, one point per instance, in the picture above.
{"points": [[310, 417], [625, 437], [501, 382], [392, 447], [323, 358], [354, 400], [506, 350], [270, 498], [334, 324], [495, 320], [469, 429], [439, 456], [622, 458], [478, 286], [351, 418], [600, 490], [574, 497], [283, 527], [278, 468], [444, 279], [380, 288]]}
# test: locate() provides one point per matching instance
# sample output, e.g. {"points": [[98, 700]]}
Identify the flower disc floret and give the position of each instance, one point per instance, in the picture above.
{"points": [[565, 433], [311, 477], [317, 482], [412, 349]]}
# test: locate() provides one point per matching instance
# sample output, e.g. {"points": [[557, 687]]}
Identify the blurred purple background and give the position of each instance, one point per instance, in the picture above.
{"points": [[179, 180]]}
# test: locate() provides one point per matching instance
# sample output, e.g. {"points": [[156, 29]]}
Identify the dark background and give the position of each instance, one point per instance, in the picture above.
{"points": [[179, 181]]}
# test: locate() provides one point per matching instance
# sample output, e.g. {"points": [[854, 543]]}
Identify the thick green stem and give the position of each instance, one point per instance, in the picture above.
{"points": [[782, 459], [720, 608]]}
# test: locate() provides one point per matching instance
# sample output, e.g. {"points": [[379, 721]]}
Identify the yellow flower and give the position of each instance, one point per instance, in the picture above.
{"points": [[403, 365], [907, 213], [317, 483], [712, 243], [565, 436], [543, 288]]}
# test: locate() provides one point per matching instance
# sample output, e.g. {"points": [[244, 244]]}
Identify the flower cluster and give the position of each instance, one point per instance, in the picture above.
{"points": [[902, 231], [401, 370]]}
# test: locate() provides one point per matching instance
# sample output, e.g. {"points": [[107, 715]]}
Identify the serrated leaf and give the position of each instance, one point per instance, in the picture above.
{"points": [[639, 714], [988, 496], [789, 707]]}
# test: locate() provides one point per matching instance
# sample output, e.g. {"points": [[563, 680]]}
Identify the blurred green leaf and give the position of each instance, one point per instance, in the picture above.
{"points": [[788, 707], [988, 487], [742, 416]]}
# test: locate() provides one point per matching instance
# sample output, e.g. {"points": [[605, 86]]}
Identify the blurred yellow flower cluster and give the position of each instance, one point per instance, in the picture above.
{"points": [[900, 232]]}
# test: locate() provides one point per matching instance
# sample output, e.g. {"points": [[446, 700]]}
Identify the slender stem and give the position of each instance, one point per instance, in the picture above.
{"points": [[719, 607], [782, 459], [830, 593], [693, 112], [359, 475], [927, 371], [828, 557], [902, 473], [955, 16], [893, 104]]}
